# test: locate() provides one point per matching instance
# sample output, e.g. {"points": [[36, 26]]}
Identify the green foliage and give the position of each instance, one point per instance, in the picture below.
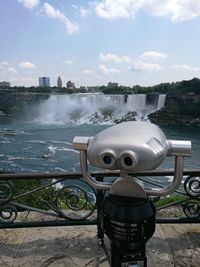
{"points": [[177, 88], [184, 87], [113, 90], [169, 200], [37, 199], [46, 197], [174, 88]]}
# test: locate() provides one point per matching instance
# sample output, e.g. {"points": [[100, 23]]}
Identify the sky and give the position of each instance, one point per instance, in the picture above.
{"points": [[131, 42]]}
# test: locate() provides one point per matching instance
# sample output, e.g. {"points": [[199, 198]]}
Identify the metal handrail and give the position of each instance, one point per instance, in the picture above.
{"points": [[191, 204], [105, 174]]}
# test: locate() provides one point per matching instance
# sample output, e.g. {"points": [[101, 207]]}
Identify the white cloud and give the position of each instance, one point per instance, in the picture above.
{"points": [[6, 69], [7, 72], [11, 70], [29, 3], [114, 58], [111, 9], [10, 74], [75, 6], [186, 67], [83, 12], [71, 27], [68, 62], [107, 70], [177, 10], [15, 77], [153, 55], [4, 63], [27, 65], [144, 66], [88, 71]]}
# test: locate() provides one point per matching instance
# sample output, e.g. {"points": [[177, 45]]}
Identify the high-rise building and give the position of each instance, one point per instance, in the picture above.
{"points": [[112, 85], [70, 85], [44, 81], [4, 84], [59, 82]]}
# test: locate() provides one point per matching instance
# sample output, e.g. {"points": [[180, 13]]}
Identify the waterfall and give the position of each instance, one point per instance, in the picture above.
{"points": [[137, 102], [161, 101], [95, 108]]}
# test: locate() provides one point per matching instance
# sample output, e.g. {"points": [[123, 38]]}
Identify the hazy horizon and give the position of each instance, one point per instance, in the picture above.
{"points": [[95, 42]]}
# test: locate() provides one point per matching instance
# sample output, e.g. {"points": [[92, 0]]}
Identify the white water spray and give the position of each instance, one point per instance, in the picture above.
{"points": [[96, 108]]}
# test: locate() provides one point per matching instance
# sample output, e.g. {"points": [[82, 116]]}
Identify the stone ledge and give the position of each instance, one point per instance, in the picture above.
{"points": [[171, 245]]}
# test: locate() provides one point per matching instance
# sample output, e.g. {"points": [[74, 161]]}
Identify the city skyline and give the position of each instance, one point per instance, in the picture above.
{"points": [[94, 42]]}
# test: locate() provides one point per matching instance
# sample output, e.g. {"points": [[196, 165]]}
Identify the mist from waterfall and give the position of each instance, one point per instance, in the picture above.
{"points": [[96, 108]]}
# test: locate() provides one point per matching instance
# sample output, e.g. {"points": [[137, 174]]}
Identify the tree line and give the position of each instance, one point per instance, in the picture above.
{"points": [[183, 87], [174, 88]]}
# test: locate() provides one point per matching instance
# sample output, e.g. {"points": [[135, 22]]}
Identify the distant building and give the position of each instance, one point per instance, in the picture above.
{"points": [[4, 84], [70, 85], [44, 81], [112, 85], [84, 88], [59, 82], [93, 88]]}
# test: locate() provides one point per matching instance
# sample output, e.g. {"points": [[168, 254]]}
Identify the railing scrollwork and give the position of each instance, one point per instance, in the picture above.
{"points": [[66, 199], [75, 202], [8, 213], [192, 186], [191, 209], [6, 191], [79, 202]]}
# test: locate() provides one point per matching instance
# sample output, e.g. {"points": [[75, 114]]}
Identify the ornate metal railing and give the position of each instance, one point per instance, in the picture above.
{"points": [[58, 199]]}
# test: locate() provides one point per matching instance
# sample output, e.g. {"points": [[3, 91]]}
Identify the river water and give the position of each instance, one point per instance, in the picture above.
{"points": [[41, 139]]}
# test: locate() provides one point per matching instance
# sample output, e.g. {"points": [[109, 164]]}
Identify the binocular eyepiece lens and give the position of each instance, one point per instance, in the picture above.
{"points": [[128, 161], [107, 159]]}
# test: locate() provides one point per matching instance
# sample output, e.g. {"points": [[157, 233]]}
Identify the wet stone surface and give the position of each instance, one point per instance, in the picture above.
{"points": [[171, 245]]}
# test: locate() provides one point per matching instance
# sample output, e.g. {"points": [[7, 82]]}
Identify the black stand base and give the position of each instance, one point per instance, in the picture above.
{"points": [[134, 258], [128, 223]]}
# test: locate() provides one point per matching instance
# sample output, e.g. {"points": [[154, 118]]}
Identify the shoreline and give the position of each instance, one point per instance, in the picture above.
{"points": [[166, 118]]}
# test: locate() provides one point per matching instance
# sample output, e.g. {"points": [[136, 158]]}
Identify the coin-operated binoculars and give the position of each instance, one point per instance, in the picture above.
{"points": [[128, 212]]}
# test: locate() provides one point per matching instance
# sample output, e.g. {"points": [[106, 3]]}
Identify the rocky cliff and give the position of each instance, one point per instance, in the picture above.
{"points": [[12, 102], [179, 110]]}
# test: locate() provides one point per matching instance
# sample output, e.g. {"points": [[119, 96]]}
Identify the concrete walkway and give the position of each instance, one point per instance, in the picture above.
{"points": [[171, 245]]}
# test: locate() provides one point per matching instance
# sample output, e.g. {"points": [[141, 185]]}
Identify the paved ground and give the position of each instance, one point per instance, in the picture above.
{"points": [[172, 245]]}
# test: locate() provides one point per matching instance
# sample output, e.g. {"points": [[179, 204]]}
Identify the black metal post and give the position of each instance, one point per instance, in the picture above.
{"points": [[100, 197]]}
